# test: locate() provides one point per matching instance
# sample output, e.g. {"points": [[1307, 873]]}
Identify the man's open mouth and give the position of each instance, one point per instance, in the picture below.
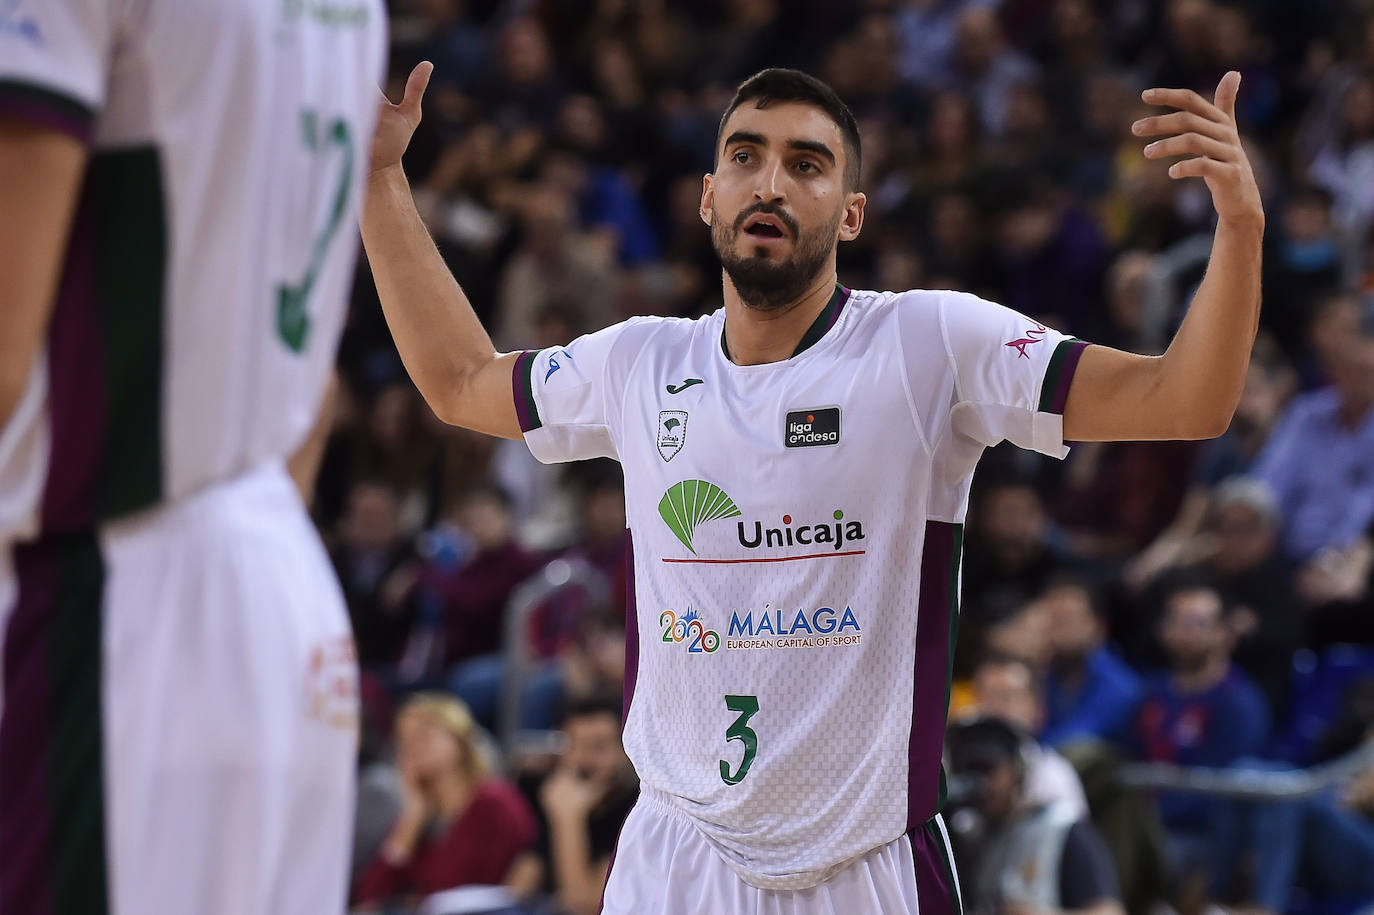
{"points": [[763, 226]]}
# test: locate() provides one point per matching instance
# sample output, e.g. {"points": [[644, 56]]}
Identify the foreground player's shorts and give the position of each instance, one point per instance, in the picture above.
{"points": [[663, 866], [179, 713]]}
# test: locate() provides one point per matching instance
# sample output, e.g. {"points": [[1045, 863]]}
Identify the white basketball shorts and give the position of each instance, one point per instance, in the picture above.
{"points": [[179, 723], [663, 865]]}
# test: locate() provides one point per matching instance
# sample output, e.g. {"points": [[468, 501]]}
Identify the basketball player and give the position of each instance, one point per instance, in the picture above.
{"points": [[797, 470], [178, 184]]}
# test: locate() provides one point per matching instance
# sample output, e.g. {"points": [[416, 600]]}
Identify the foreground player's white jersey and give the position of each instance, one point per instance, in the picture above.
{"points": [[203, 291], [795, 534]]}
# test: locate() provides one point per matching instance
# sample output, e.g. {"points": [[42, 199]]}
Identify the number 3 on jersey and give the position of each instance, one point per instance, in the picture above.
{"points": [[293, 320], [747, 706]]}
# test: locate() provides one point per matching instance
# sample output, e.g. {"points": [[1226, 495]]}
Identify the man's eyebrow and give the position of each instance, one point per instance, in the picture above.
{"points": [[745, 136], [814, 146]]}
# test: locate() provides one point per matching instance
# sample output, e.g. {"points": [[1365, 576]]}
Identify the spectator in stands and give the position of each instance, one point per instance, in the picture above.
{"points": [[1015, 548], [1318, 461], [988, 67], [371, 551], [1031, 857], [1269, 384], [474, 596], [1200, 712], [1007, 689], [459, 825], [582, 804], [1242, 557], [557, 262], [1089, 690]]}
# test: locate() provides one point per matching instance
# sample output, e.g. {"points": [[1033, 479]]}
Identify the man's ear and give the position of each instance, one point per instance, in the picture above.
{"points": [[708, 199], [853, 221]]}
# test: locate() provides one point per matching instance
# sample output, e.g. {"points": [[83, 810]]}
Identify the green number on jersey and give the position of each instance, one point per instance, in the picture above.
{"points": [[293, 320], [747, 706]]}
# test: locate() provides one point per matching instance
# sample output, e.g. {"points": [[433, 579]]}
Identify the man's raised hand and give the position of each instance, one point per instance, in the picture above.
{"points": [[396, 123], [1206, 132]]}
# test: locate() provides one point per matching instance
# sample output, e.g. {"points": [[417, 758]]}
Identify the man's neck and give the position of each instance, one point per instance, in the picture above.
{"points": [[1204, 678], [754, 337]]}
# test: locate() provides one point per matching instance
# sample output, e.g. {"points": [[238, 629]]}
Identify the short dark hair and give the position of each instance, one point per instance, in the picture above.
{"points": [[779, 84], [599, 702]]}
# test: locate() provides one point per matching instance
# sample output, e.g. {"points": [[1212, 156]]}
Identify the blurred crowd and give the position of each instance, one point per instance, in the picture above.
{"points": [[1206, 604]]}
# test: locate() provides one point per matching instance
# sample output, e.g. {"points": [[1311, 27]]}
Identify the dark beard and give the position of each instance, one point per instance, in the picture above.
{"points": [[768, 285]]}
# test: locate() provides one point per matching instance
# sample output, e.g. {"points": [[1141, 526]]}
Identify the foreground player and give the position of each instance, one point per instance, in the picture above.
{"points": [[178, 182], [797, 469]]}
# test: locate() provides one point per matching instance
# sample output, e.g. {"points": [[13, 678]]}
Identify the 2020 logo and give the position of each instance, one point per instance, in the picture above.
{"points": [[690, 629]]}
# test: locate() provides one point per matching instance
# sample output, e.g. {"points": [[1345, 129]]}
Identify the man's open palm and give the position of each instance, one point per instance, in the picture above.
{"points": [[396, 123]]}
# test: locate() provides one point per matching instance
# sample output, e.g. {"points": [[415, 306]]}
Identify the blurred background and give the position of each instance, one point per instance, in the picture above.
{"points": [[1202, 605]]}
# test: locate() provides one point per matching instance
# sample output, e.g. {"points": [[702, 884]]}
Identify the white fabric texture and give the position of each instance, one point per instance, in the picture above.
{"points": [[664, 866], [230, 708]]}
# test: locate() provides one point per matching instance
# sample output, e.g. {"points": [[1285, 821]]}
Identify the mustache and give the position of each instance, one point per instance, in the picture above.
{"points": [[771, 209]]}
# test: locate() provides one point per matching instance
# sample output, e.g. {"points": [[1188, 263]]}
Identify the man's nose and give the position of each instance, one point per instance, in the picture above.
{"points": [[768, 188]]}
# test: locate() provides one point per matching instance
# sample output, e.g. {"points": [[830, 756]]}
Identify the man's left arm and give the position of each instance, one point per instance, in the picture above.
{"points": [[1191, 391]]}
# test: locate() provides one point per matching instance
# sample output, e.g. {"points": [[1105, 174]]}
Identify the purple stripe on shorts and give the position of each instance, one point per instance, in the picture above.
{"points": [[930, 694], [1065, 380], [934, 894], [631, 628], [75, 385], [26, 739]]}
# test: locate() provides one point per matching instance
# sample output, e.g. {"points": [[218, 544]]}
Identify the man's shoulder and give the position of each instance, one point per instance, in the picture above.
{"points": [[660, 330]]}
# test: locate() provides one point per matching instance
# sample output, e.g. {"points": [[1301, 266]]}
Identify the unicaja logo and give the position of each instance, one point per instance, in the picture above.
{"points": [[833, 535], [692, 503]]}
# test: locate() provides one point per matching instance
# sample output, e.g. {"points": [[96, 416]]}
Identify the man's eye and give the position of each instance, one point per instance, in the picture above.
{"points": [[741, 157], [806, 165]]}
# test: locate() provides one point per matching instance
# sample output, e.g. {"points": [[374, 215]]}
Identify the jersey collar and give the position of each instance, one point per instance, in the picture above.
{"points": [[824, 321]]}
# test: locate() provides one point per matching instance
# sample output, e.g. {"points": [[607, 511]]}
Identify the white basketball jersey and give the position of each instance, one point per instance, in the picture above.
{"points": [[204, 287], [795, 531]]}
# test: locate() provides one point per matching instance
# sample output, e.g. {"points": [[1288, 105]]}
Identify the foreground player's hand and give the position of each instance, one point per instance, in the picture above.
{"points": [[1206, 132], [396, 123]]}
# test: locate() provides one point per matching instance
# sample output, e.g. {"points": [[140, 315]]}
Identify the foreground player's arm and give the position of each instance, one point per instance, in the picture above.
{"points": [[40, 176], [1192, 390], [442, 343]]}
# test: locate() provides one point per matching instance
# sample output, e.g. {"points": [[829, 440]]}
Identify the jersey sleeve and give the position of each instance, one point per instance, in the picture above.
{"points": [[54, 57], [567, 397], [1011, 374]]}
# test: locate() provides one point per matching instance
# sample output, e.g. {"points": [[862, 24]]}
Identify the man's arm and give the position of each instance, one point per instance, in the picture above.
{"points": [[40, 177], [1191, 391], [444, 347]]}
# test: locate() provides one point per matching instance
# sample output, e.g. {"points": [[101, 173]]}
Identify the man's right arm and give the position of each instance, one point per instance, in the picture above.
{"points": [[447, 352]]}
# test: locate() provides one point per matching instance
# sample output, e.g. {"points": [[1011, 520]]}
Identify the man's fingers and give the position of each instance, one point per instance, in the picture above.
{"points": [[415, 88], [1191, 144], [1180, 122], [1227, 90], [1202, 167], [1186, 99]]}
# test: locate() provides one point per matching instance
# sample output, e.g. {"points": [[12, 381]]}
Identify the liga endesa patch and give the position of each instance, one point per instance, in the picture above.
{"points": [[805, 428]]}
